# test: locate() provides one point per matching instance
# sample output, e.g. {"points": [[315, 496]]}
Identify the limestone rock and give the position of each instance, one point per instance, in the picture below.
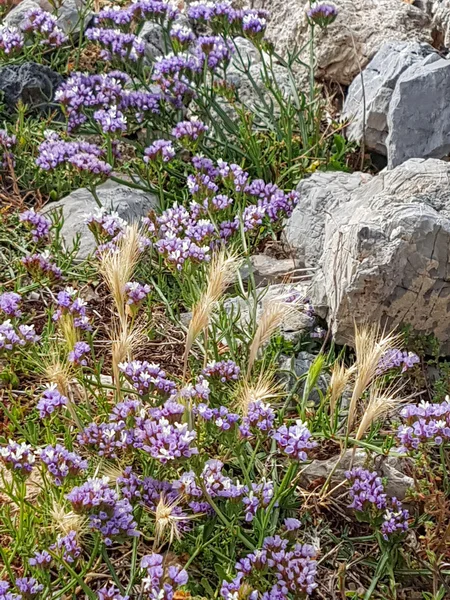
{"points": [[419, 113], [130, 204], [16, 16], [353, 39], [291, 368], [31, 83], [369, 96], [386, 251], [319, 194], [267, 270]]}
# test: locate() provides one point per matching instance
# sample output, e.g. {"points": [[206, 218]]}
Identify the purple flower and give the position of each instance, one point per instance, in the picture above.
{"points": [[260, 417], [6, 143], [128, 409], [12, 338], [425, 423], [41, 560], [159, 150], [68, 546], [147, 377], [50, 401], [395, 358], [44, 25], [225, 370], [11, 40], [110, 593], [395, 519], [40, 266], [135, 293], [322, 14], [115, 15], [29, 587], [106, 439], [38, 224], [366, 489], [116, 44], [155, 10], [105, 226], [294, 440], [10, 303], [214, 49], [165, 441], [109, 514], [189, 131], [181, 36], [111, 119], [253, 25], [258, 497], [77, 355], [61, 463], [83, 156], [18, 458], [161, 581], [291, 524], [71, 306]]}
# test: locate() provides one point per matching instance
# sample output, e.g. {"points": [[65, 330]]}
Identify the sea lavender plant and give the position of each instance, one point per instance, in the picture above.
{"points": [[322, 13], [161, 581], [12, 337], [225, 370], [40, 266], [61, 463], [6, 144], [29, 588], [10, 304], [50, 401], [11, 40], [294, 440], [39, 225], [395, 358], [18, 457], [424, 423], [116, 44], [147, 377], [77, 356]]}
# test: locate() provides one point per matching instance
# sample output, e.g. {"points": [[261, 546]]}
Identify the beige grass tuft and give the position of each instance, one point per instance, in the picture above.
{"points": [[340, 378], [381, 402], [264, 389]]}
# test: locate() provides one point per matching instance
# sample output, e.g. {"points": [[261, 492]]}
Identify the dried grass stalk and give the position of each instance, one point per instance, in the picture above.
{"points": [[381, 402], [263, 390], [340, 378]]}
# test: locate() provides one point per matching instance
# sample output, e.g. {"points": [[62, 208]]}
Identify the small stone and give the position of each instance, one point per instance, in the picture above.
{"points": [[31, 83]]}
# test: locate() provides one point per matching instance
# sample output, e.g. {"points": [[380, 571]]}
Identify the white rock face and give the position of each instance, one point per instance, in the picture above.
{"points": [[359, 31], [384, 252], [130, 204]]}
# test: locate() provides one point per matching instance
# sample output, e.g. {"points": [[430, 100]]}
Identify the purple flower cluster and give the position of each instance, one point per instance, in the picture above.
{"points": [[294, 440], [116, 44], [114, 16], [82, 156], [11, 40], [18, 458], [136, 292], [50, 401], [6, 143], [424, 423], [29, 588], [107, 439], [68, 546], [71, 305], [165, 441], [147, 378], [77, 356], [154, 10], [41, 560], [221, 15], [182, 36], [110, 593], [105, 226], [160, 150], [187, 132], [84, 95], [40, 266], [44, 25], [259, 496], [395, 358], [367, 494], [260, 418], [5, 594], [10, 304], [39, 225], [161, 581], [221, 417], [109, 514], [322, 13], [215, 50], [224, 370], [293, 571], [12, 337], [61, 463]]}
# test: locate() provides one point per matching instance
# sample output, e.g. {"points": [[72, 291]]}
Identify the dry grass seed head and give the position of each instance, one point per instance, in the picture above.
{"points": [[381, 402], [264, 389], [125, 342], [65, 521], [370, 345], [221, 274], [271, 319], [340, 377]]}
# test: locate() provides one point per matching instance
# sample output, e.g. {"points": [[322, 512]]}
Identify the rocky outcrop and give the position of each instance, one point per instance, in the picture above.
{"points": [[31, 83], [384, 252], [369, 96], [346, 46], [130, 204]]}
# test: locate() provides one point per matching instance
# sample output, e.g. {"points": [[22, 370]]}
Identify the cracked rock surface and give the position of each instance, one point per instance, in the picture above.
{"points": [[384, 252]]}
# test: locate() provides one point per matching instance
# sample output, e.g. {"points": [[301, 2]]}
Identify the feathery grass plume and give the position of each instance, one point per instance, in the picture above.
{"points": [[166, 519], [221, 274], [381, 401], [370, 345], [124, 343], [263, 389], [340, 377], [272, 317], [69, 331], [65, 521], [117, 267], [58, 372]]}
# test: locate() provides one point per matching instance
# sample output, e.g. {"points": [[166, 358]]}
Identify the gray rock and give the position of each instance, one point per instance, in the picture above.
{"points": [[130, 204], [369, 96], [16, 16], [268, 270], [294, 367], [398, 483], [153, 34], [73, 15], [319, 194], [419, 113], [31, 83], [348, 44], [386, 251]]}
